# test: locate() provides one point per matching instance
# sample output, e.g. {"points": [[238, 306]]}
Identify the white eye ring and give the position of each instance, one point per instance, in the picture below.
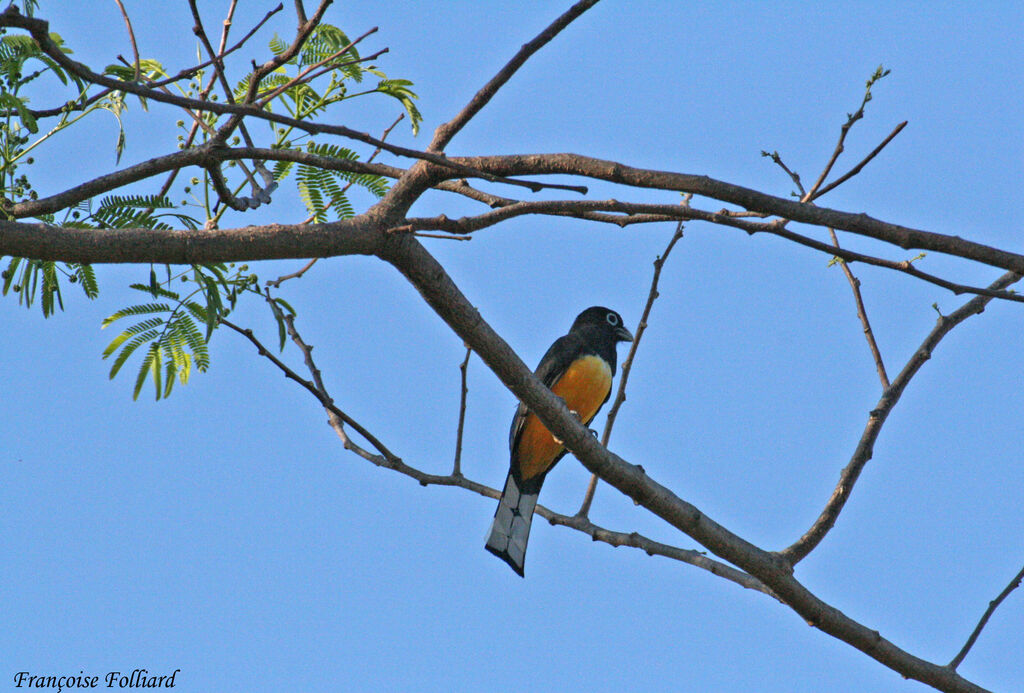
{"points": [[612, 319]]}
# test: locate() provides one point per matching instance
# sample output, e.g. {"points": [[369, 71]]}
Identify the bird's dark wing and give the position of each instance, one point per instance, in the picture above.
{"points": [[556, 360]]}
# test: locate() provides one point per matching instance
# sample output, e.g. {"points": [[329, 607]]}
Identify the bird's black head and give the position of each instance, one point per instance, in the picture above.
{"points": [[604, 319]]}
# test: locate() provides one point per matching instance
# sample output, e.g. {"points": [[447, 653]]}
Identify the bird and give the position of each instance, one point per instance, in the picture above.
{"points": [[579, 368]]}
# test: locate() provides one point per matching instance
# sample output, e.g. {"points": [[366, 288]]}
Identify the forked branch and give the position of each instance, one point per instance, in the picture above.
{"points": [[865, 447]]}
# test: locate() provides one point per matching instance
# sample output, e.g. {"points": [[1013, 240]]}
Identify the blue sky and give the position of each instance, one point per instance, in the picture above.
{"points": [[226, 533]]}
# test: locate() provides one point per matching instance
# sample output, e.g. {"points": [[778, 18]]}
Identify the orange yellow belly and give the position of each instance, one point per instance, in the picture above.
{"points": [[584, 386]]}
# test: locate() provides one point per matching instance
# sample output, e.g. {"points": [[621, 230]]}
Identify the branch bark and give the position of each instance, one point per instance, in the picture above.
{"points": [[438, 290], [865, 447]]}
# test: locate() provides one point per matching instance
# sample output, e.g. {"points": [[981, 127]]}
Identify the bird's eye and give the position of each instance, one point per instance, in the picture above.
{"points": [[612, 319]]}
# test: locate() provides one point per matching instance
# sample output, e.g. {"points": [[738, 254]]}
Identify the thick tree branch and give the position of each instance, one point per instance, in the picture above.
{"points": [[387, 459], [355, 236], [437, 289], [865, 447], [860, 224]]}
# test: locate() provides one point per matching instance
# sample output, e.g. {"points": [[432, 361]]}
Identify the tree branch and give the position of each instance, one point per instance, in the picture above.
{"points": [[39, 29], [444, 133], [389, 460], [317, 389], [865, 447], [992, 606], [437, 289], [463, 391], [860, 224], [355, 236], [627, 365], [862, 315]]}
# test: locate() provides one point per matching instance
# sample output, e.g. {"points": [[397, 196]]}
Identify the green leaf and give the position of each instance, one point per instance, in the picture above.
{"points": [[141, 309], [145, 326], [86, 275], [130, 348], [9, 100]]}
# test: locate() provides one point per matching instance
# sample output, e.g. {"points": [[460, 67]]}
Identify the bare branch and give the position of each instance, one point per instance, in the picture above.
{"points": [[437, 289], [131, 37], [865, 447], [862, 314], [860, 224], [389, 460], [635, 213], [844, 130], [445, 132], [856, 169], [627, 365], [463, 369], [316, 389], [654, 548], [300, 11], [774, 156], [294, 275], [992, 606]]}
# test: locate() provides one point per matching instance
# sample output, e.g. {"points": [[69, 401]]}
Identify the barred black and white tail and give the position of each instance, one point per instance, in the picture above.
{"points": [[511, 528]]}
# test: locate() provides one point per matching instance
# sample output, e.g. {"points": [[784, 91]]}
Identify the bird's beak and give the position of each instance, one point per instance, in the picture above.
{"points": [[623, 335]]}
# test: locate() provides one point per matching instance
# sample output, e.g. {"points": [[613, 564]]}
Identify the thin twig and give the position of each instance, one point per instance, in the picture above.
{"points": [[445, 132], [862, 314], [306, 74], [385, 457], [389, 460], [131, 37], [300, 12], [992, 606], [627, 365], [463, 369], [813, 193], [774, 156], [205, 91], [443, 236], [654, 548], [226, 25], [856, 169], [865, 447], [294, 275]]}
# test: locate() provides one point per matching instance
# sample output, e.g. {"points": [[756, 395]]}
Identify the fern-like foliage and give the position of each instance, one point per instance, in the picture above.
{"points": [[174, 327], [39, 280], [322, 189], [174, 340], [167, 334]]}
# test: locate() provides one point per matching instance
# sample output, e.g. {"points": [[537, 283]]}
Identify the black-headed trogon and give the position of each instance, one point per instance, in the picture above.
{"points": [[578, 368]]}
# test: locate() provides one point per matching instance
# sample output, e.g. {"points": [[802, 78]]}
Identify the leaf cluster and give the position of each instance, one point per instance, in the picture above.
{"points": [[173, 327], [169, 324]]}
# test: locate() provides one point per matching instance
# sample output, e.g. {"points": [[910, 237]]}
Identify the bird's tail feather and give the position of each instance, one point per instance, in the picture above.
{"points": [[510, 530]]}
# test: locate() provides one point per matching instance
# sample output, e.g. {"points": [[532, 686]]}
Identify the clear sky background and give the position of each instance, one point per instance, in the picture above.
{"points": [[226, 533]]}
